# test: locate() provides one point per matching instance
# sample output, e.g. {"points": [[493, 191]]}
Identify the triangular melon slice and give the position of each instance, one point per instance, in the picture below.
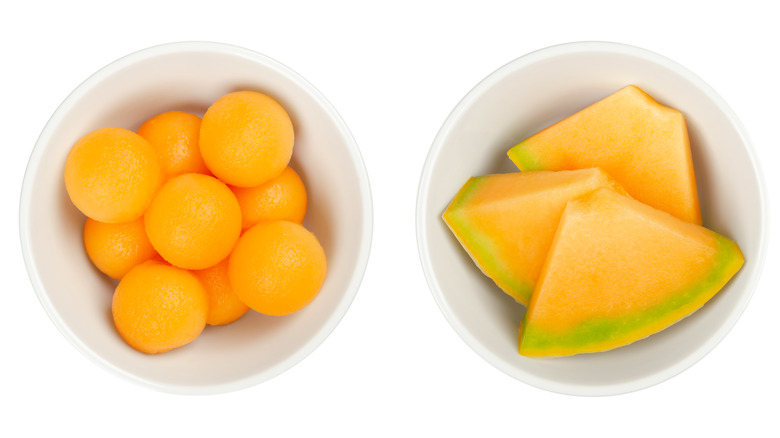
{"points": [[506, 222], [640, 143], [618, 271]]}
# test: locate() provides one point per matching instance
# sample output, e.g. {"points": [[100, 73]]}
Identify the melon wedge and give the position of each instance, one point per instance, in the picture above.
{"points": [[506, 222], [640, 143], [618, 271]]}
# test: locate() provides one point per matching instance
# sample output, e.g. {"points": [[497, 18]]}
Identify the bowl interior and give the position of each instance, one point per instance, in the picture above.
{"points": [[189, 77], [529, 94]]}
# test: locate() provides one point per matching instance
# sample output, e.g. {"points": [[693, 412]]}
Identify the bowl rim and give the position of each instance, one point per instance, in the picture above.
{"points": [[211, 47], [422, 213]]}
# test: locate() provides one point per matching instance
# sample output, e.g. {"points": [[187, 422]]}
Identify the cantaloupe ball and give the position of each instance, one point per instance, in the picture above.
{"points": [[246, 138], [157, 307], [224, 305], [175, 135], [281, 198], [193, 221], [116, 248], [277, 267], [111, 175]]}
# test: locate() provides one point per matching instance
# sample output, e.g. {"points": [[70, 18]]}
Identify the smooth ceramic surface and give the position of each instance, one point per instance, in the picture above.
{"points": [[189, 77], [529, 94]]}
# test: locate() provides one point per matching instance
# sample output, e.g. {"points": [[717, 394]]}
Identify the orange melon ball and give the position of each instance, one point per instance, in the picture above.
{"points": [[224, 305], [115, 248], [175, 135], [193, 221], [281, 198], [158, 307], [246, 138], [277, 267], [111, 175]]}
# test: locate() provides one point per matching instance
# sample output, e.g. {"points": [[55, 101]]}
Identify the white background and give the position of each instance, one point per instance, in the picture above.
{"points": [[394, 366]]}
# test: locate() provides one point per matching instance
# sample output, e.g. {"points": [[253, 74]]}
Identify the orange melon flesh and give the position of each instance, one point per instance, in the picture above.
{"points": [[506, 222], [618, 271], [640, 143]]}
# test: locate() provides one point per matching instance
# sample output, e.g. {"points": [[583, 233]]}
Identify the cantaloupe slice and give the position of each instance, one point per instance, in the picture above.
{"points": [[506, 222], [640, 143], [618, 271]]}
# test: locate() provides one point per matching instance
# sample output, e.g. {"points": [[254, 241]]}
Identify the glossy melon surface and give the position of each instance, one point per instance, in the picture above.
{"points": [[618, 271], [640, 143], [506, 222]]}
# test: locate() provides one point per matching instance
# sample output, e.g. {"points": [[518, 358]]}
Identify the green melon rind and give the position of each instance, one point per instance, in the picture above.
{"points": [[481, 247], [607, 333], [525, 160]]}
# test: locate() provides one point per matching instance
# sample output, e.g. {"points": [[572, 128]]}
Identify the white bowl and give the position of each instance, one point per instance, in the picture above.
{"points": [[190, 76], [529, 94]]}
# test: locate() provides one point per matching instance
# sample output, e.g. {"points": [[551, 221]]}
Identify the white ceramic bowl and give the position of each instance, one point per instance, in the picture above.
{"points": [[518, 100], [190, 76]]}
